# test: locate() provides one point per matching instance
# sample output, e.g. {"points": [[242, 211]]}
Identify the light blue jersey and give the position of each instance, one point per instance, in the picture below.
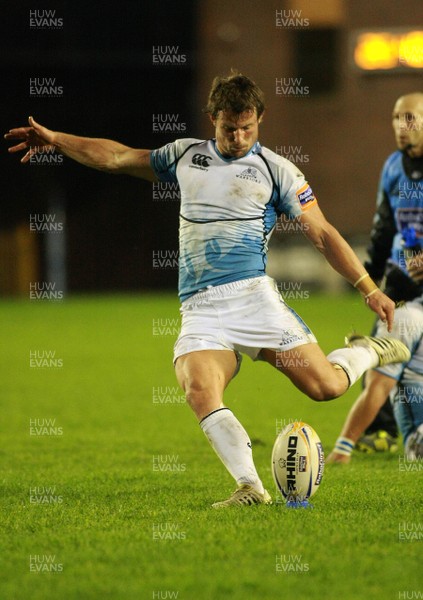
{"points": [[229, 208]]}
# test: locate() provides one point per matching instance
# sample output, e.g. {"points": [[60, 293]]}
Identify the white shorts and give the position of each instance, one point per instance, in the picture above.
{"points": [[244, 316]]}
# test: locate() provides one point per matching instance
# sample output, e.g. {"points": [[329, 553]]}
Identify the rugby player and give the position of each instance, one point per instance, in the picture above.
{"points": [[398, 223], [232, 192]]}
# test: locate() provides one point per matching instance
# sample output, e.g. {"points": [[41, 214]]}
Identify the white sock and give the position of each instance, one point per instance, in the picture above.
{"points": [[232, 445], [355, 361]]}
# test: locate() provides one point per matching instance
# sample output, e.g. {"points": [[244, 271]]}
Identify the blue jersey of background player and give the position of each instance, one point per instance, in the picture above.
{"points": [[397, 234], [398, 222]]}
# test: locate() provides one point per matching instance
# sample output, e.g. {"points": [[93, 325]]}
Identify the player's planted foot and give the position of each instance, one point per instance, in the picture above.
{"points": [[388, 350], [245, 495]]}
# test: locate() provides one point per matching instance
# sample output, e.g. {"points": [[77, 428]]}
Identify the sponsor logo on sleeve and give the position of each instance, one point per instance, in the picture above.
{"points": [[306, 197]]}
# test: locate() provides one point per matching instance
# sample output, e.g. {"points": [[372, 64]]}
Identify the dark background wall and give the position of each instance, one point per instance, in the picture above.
{"points": [[102, 58]]}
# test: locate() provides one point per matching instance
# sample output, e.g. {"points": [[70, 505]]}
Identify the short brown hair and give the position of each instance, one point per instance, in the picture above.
{"points": [[235, 93]]}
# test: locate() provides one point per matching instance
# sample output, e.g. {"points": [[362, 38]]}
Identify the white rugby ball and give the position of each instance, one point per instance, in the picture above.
{"points": [[297, 461]]}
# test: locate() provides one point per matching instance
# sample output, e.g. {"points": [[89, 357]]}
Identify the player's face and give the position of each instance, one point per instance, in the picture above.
{"points": [[407, 121], [236, 134]]}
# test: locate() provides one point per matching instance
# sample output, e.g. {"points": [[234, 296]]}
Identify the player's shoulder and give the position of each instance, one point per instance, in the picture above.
{"points": [[278, 164], [183, 144], [163, 160], [172, 152], [392, 164]]}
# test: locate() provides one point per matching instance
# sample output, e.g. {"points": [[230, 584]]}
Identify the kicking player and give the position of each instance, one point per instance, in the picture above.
{"points": [[402, 382], [232, 192]]}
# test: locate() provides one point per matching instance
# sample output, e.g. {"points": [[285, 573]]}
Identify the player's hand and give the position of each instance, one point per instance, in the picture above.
{"points": [[415, 267], [35, 139], [383, 306], [335, 457]]}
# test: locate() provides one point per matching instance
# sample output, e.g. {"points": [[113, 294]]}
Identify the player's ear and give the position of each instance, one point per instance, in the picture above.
{"points": [[260, 119], [212, 119]]}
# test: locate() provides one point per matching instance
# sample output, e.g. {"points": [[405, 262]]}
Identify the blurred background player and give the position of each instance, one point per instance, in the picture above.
{"points": [[398, 232], [402, 383], [232, 192]]}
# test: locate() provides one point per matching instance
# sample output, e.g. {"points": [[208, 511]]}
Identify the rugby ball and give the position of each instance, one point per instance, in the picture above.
{"points": [[297, 461]]}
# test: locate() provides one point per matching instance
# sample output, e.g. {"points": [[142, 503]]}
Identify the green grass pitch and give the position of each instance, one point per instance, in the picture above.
{"points": [[115, 501]]}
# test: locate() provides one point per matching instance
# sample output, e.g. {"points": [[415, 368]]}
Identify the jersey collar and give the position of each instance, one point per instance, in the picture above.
{"points": [[256, 149]]}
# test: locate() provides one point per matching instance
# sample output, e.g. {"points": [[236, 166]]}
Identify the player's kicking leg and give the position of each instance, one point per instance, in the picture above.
{"points": [[325, 378], [204, 375]]}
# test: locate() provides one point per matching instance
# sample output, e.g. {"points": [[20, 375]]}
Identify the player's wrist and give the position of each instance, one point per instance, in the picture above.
{"points": [[344, 446], [366, 286], [57, 140]]}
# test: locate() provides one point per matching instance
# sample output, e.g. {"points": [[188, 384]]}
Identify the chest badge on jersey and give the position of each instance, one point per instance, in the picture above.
{"points": [[305, 196], [249, 174]]}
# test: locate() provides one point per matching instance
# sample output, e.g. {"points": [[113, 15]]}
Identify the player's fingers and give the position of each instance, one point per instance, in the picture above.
{"points": [[384, 309], [18, 147], [27, 156], [17, 133], [334, 457], [389, 318], [34, 125]]}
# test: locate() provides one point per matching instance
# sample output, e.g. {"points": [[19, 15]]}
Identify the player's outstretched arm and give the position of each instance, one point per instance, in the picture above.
{"points": [[101, 154], [364, 410], [343, 259]]}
